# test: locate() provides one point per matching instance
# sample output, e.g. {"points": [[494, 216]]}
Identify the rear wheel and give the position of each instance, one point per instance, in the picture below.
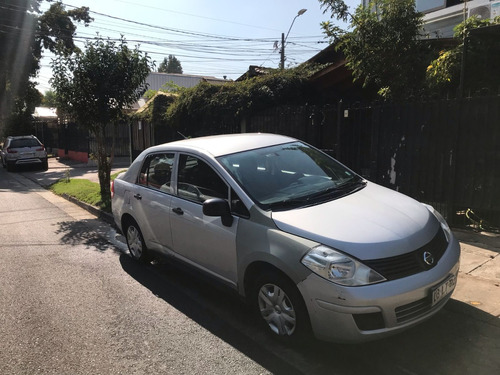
{"points": [[135, 242], [280, 307], [11, 167], [45, 165]]}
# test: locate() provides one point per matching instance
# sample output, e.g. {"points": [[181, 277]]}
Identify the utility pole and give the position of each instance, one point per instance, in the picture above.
{"points": [[282, 52], [284, 38]]}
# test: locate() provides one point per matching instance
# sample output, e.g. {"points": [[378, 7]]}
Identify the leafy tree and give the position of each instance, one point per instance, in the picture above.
{"points": [[170, 65], [384, 50], [20, 120], [49, 99], [478, 69], [94, 87], [24, 34]]}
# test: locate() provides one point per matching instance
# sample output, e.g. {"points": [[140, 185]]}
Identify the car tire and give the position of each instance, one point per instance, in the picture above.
{"points": [[280, 307], [135, 242], [45, 165], [11, 167]]}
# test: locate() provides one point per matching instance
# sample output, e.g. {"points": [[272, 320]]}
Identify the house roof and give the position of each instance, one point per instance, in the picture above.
{"points": [[156, 81], [254, 71], [335, 76], [45, 112]]}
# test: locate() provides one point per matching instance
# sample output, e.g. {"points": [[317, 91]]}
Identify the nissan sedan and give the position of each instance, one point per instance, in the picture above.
{"points": [[310, 244]]}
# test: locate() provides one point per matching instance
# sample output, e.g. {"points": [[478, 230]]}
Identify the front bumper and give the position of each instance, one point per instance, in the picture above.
{"points": [[358, 314]]}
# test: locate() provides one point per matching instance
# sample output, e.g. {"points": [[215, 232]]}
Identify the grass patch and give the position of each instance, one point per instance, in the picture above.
{"points": [[83, 190], [80, 189]]}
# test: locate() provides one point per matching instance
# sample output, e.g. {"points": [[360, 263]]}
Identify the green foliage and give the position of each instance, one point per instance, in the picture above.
{"points": [[156, 109], [337, 9], [384, 49], [170, 65], [95, 86], [169, 87], [480, 72], [207, 103], [20, 121], [49, 99], [149, 94], [24, 33], [56, 27]]}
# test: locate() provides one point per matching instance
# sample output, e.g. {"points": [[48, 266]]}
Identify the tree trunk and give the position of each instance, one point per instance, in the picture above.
{"points": [[104, 167]]}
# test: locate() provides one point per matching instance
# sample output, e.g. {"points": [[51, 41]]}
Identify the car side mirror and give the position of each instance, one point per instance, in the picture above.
{"points": [[218, 207]]}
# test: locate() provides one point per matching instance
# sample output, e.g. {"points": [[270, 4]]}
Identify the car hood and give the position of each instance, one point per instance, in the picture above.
{"points": [[374, 222]]}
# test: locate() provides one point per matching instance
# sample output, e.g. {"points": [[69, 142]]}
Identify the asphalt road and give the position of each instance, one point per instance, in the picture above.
{"points": [[73, 302]]}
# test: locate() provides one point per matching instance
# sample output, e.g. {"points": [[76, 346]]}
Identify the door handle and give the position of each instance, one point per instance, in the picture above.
{"points": [[178, 211], [138, 196]]}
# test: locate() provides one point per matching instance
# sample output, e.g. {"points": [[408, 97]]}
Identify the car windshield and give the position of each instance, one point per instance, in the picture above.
{"points": [[290, 175]]}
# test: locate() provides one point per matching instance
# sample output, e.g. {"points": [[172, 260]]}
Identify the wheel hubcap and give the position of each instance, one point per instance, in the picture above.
{"points": [[277, 310], [134, 241]]}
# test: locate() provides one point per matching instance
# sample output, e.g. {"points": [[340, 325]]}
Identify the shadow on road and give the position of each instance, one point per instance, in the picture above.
{"points": [[210, 307], [458, 340], [91, 233]]}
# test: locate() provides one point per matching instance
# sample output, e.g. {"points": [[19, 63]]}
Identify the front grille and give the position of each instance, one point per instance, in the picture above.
{"points": [[400, 266], [413, 310]]}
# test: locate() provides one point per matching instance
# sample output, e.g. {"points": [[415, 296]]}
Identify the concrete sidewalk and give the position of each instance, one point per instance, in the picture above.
{"points": [[60, 168], [479, 276]]}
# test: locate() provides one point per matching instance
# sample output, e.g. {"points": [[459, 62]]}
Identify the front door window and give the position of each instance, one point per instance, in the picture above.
{"points": [[197, 181]]}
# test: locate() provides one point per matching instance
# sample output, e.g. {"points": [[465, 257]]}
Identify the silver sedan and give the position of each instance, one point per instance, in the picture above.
{"points": [[312, 246]]}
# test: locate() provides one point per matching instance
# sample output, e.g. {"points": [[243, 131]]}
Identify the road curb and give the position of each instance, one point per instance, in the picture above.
{"points": [[105, 216]]}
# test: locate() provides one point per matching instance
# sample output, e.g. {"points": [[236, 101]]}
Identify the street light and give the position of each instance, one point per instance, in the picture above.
{"points": [[284, 38]]}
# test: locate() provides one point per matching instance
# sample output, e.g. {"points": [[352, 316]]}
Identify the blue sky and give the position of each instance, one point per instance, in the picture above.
{"points": [[212, 38]]}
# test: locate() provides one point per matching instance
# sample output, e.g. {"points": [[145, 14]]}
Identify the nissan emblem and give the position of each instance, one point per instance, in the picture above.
{"points": [[428, 258]]}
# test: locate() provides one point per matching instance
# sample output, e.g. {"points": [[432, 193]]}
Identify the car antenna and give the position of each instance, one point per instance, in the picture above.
{"points": [[182, 135]]}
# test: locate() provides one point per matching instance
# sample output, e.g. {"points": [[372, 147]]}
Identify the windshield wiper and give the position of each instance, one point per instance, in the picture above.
{"points": [[340, 190], [289, 203], [355, 185], [320, 196]]}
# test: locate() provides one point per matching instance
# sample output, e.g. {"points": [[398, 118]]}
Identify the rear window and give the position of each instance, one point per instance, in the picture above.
{"points": [[28, 142]]}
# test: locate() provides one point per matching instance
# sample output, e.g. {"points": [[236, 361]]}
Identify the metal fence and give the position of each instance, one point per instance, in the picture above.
{"points": [[446, 153], [122, 140]]}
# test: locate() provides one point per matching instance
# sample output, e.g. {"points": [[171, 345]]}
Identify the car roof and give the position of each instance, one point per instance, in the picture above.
{"points": [[218, 145], [20, 136]]}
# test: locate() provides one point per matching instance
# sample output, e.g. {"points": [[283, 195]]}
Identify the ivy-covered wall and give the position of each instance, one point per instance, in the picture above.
{"points": [[210, 109]]}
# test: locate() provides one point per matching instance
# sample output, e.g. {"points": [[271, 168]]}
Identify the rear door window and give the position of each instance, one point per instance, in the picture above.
{"points": [[156, 172]]}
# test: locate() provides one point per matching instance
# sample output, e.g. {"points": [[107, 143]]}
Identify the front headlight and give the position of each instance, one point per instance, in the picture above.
{"points": [[339, 268]]}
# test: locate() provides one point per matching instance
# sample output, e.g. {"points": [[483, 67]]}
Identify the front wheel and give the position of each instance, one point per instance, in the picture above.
{"points": [[11, 167], [135, 242], [280, 306], [45, 165]]}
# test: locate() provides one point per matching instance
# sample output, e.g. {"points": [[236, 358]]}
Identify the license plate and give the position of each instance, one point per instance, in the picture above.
{"points": [[442, 290], [27, 154]]}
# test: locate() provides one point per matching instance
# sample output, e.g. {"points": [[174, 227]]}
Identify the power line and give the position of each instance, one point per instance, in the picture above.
{"points": [[200, 53]]}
